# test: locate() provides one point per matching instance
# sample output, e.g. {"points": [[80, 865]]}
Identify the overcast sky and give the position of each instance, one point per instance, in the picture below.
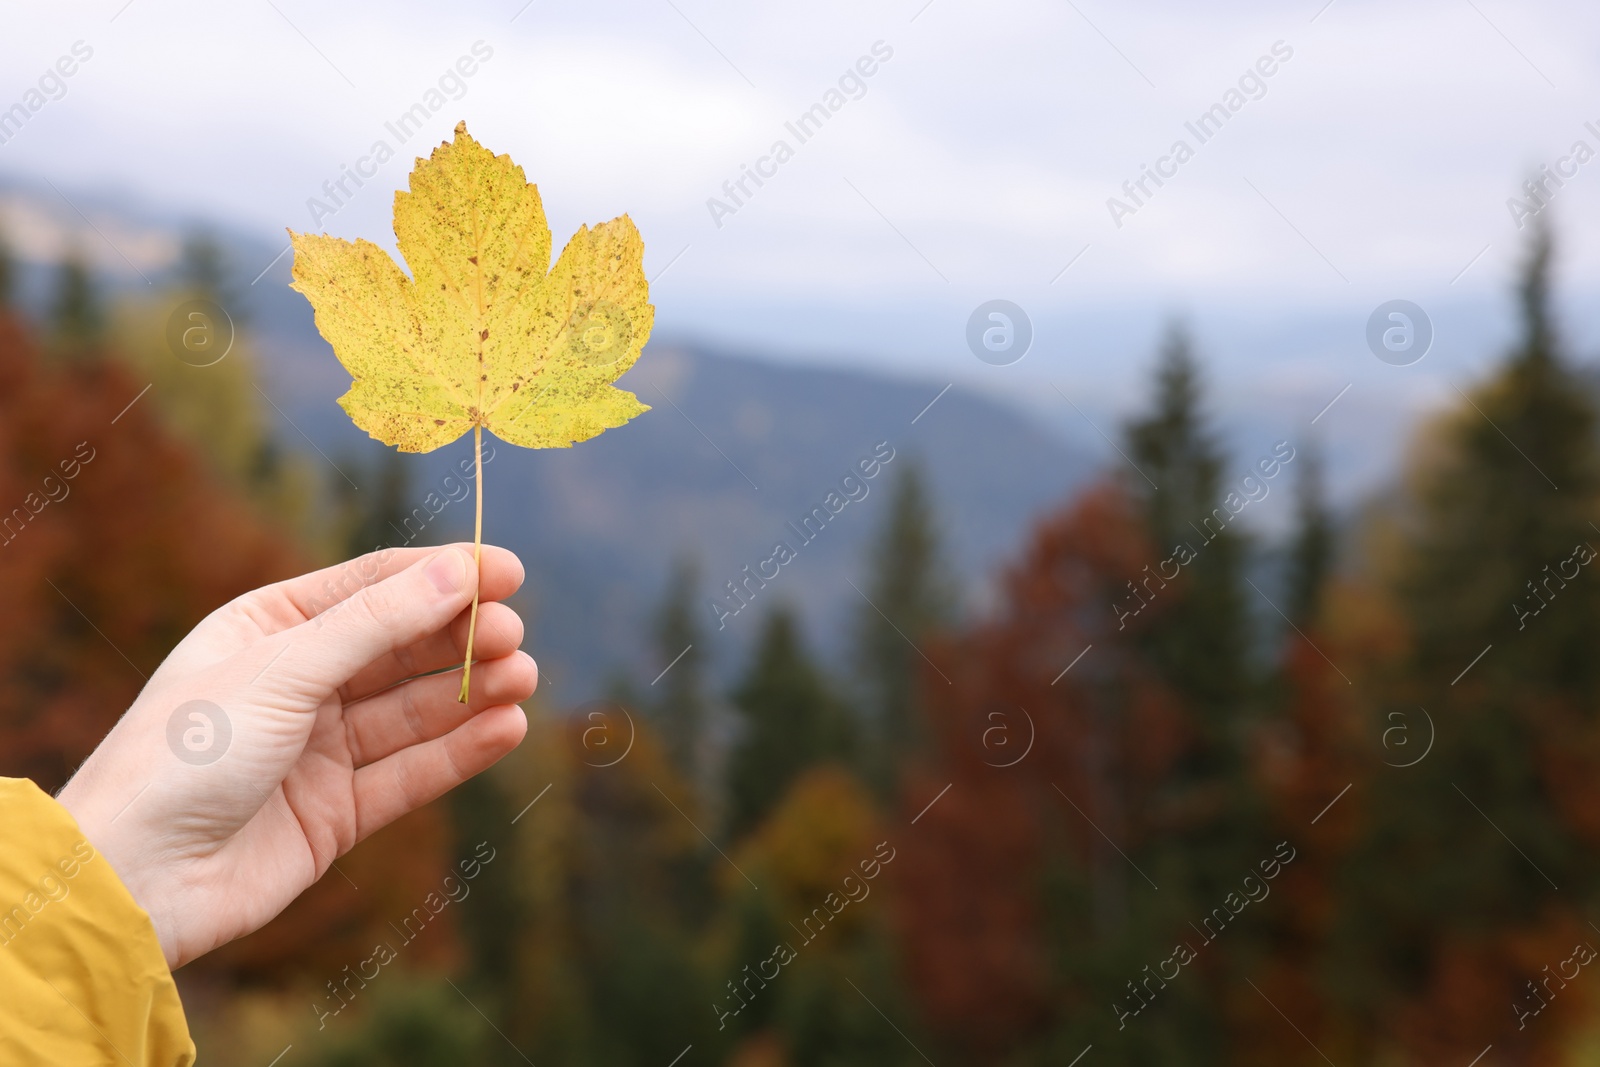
{"points": [[976, 162]]}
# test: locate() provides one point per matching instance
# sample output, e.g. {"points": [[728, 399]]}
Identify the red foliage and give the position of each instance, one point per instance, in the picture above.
{"points": [[1102, 736]]}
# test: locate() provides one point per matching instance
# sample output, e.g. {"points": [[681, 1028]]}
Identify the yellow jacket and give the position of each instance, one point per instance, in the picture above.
{"points": [[82, 977]]}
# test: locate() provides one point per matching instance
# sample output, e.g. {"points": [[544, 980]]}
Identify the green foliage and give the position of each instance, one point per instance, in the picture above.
{"points": [[375, 515], [792, 720], [912, 596], [77, 310], [1196, 643], [204, 269], [410, 1022], [1311, 551], [479, 811], [1508, 488], [1505, 490], [827, 1023], [1200, 640], [679, 705], [8, 272]]}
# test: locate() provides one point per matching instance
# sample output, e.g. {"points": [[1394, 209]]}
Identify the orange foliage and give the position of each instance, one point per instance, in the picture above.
{"points": [[823, 830], [1102, 737]]}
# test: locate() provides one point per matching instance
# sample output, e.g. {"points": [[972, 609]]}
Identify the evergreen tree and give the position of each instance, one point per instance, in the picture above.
{"points": [[679, 703], [912, 595], [1200, 637], [1195, 639], [791, 720], [202, 267], [8, 272], [76, 310], [374, 517], [1511, 495], [479, 811], [204, 271], [1502, 658], [1311, 554]]}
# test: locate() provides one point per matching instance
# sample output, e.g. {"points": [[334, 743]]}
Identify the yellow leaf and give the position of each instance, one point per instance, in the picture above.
{"points": [[483, 334]]}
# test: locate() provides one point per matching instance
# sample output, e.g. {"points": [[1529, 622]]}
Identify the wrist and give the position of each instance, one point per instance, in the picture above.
{"points": [[114, 836]]}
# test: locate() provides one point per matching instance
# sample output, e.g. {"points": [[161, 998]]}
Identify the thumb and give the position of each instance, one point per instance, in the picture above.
{"points": [[381, 618]]}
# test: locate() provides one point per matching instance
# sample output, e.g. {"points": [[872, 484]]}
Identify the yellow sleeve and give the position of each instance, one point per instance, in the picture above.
{"points": [[82, 976]]}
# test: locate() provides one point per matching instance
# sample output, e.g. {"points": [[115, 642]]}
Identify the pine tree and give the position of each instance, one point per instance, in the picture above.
{"points": [[1311, 553], [679, 702], [1503, 625], [1200, 637], [792, 720], [374, 517], [202, 268], [76, 310], [1195, 640], [205, 272], [911, 596], [8, 272], [1510, 497]]}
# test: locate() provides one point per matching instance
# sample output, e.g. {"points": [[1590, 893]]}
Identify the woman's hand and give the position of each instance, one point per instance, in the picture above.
{"points": [[292, 723]]}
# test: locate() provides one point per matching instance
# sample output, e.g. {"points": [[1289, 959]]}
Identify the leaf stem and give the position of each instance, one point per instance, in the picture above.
{"points": [[477, 560]]}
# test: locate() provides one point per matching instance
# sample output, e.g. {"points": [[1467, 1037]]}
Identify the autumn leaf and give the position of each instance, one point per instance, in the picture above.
{"points": [[484, 333]]}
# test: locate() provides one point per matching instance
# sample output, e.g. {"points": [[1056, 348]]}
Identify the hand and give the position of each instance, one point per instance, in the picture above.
{"points": [[326, 732]]}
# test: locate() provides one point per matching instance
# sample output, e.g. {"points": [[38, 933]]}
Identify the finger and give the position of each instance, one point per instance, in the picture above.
{"points": [[425, 708], [412, 777], [326, 652], [314, 593], [500, 631]]}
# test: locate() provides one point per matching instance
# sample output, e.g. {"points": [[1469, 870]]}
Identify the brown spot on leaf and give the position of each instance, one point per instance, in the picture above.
{"points": [[438, 422], [484, 336], [473, 260]]}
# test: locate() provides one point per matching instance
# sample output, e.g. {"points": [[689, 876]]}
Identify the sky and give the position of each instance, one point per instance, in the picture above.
{"points": [[977, 161]]}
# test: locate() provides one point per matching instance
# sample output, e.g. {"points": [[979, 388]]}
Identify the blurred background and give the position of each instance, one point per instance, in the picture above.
{"points": [[1151, 668]]}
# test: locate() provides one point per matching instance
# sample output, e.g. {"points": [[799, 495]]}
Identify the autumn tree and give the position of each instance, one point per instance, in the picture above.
{"points": [[812, 920], [1028, 891], [1313, 762]]}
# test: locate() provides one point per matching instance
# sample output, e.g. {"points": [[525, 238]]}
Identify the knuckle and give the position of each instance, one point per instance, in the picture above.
{"points": [[411, 713], [381, 606]]}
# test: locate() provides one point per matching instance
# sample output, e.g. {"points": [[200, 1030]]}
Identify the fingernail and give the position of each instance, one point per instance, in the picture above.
{"points": [[447, 571]]}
